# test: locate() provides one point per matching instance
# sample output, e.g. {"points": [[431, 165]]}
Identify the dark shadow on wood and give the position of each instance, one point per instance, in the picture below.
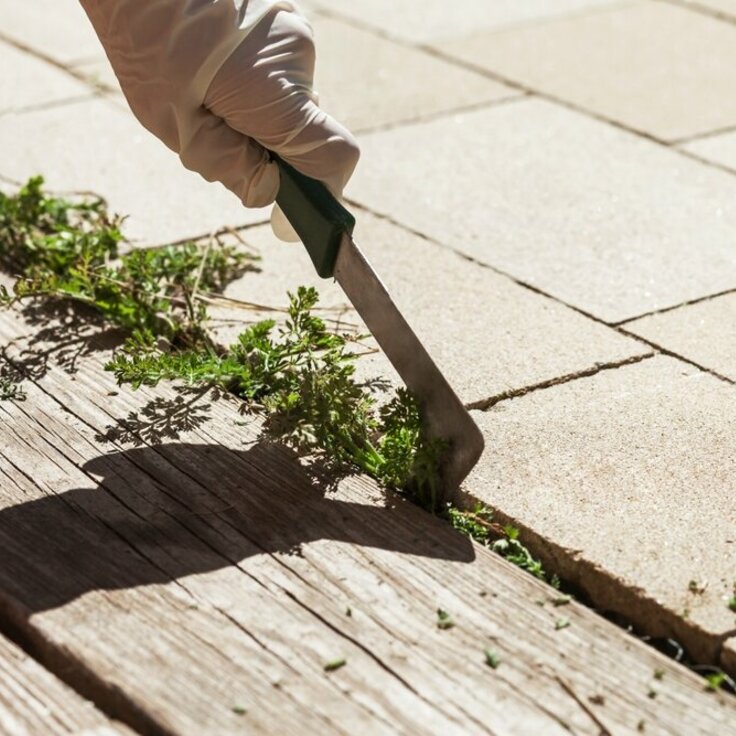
{"points": [[63, 334], [164, 513]]}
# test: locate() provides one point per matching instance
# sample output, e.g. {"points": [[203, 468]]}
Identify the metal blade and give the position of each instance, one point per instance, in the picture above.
{"points": [[442, 411]]}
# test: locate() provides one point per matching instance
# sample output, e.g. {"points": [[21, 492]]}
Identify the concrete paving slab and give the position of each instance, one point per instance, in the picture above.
{"points": [[33, 83], [700, 332], [57, 28], [671, 83], [97, 146], [488, 334], [99, 72], [726, 8], [718, 149], [600, 218], [419, 21], [624, 483], [367, 81]]}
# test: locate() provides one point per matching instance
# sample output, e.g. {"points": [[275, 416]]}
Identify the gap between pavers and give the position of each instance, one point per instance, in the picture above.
{"points": [[33, 83], [58, 29], [358, 82], [594, 216], [718, 149], [724, 8], [97, 146], [623, 484], [418, 21], [488, 334], [670, 84], [702, 333]]}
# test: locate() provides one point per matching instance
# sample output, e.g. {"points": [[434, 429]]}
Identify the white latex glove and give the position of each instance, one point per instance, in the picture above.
{"points": [[220, 81]]}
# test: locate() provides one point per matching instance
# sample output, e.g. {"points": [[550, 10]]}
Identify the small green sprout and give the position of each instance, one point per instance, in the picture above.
{"points": [[561, 623], [697, 588], [335, 664], [492, 658], [444, 620], [732, 600]]}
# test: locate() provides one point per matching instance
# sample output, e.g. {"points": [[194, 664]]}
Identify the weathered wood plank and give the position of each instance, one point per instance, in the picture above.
{"points": [[33, 701], [211, 520]]}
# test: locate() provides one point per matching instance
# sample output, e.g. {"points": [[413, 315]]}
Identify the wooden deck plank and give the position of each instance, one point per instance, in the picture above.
{"points": [[33, 701], [210, 520]]}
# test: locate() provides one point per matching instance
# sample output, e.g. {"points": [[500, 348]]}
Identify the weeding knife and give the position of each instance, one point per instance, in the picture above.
{"points": [[326, 230]]}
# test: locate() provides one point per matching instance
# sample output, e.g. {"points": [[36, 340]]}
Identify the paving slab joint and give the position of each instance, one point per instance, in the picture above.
{"points": [[100, 88], [702, 9], [486, 404], [428, 118], [610, 596], [664, 310], [666, 351]]}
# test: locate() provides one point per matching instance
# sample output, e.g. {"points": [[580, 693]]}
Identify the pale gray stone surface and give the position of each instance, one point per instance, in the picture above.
{"points": [[486, 333], [611, 223], [722, 7], [367, 81], [655, 67], [704, 333], [59, 29], [29, 82], [97, 146], [99, 72], [627, 478], [418, 20], [728, 656], [718, 149]]}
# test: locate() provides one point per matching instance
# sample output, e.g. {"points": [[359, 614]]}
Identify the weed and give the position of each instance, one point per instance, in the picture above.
{"points": [[10, 389], [300, 376], [732, 601], [478, 524], [717, 680]]}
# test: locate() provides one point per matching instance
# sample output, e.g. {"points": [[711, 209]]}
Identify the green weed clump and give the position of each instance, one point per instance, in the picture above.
{"points": [[64, 250], [300, 375]]}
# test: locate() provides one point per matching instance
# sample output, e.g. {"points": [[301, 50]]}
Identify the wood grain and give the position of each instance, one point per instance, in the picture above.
{"points": [[176, 581], [33, 701]]}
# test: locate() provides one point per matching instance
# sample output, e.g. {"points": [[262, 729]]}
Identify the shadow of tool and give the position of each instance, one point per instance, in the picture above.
{"points": [[157, 514]]}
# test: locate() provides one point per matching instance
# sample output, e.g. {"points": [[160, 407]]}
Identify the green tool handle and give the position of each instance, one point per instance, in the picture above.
{"points": [[316, 216]]}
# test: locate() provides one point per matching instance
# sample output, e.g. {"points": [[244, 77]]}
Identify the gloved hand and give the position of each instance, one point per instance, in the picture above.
{"points": [[221, 81]]}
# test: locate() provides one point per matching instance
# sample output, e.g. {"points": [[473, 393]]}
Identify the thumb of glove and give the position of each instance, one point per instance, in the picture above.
{"points": [[265, 91]]}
